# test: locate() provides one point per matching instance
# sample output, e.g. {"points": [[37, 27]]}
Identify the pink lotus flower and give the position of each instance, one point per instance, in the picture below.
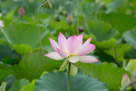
{"points": [[1, 23], [125, 80], [72, 48]]}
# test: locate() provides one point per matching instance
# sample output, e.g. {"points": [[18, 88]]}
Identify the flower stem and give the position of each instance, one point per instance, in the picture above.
{"points": [[39, 33], [124, 64], [69, 30], [77, 16], [68, 77]]}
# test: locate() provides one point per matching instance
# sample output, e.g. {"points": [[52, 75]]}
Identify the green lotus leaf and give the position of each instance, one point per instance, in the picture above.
{"points": [[57, 81], [130, 37], [18, 84], [108, 73]]}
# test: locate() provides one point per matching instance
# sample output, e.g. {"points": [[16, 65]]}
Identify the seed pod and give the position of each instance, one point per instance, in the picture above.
{"points": [[80, 29], [56, 17], [60, 10], [69, 19], [46, 4], [103, 7], [65, 13], [68, 3]]}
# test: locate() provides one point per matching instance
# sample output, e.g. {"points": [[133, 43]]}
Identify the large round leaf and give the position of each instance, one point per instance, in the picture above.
{"points": [[118, 51], [32, 66], [25, 33], [18, 84], [131, 54], [8, 55], [6, 51], [57, 81], [102, 30], [102, 33], [3, 74], [130, 37], [108, 73], [119, 21], [105, 44], [10, 79], [116, 5]]}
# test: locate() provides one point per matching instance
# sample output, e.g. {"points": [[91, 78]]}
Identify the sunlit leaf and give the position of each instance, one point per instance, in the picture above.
{"points": [[23, 33], [29, 87], [131, 66], [23, 49]]}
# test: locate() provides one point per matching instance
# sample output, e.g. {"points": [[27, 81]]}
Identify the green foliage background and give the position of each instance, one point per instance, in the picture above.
{"points": [[23, 66]]}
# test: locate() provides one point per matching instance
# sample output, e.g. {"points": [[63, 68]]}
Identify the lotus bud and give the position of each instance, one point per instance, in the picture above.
{"points": [[1, 23], [21, 11], [125, 81], [68, 3], [134, 79], [73, 70], [131, 5], [69, 19]]}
